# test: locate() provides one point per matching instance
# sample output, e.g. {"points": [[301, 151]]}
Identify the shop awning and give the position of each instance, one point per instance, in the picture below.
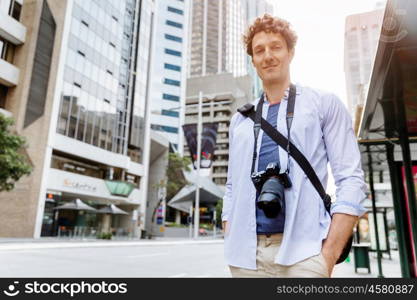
{"points": [[112, 209], [210, 192], [77, 204]]}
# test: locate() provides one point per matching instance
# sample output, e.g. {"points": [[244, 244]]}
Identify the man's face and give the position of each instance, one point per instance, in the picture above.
{"points": [[271, 56]]}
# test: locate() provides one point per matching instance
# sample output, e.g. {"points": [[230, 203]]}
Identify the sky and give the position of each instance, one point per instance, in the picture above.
{"points": [[319, 24]]}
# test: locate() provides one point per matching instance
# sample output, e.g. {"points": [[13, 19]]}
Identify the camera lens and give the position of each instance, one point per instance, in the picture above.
{"points": [[271, 197]]}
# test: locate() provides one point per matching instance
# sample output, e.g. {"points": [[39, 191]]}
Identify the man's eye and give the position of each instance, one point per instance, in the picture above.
{"points": [[277, 47], [259, 51]]}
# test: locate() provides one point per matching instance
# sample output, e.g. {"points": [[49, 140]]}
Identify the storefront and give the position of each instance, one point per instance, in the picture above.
{"points": [[115, 206]]}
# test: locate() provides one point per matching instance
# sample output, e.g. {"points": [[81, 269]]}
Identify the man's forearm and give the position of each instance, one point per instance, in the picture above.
{"points": [[340, 231]]}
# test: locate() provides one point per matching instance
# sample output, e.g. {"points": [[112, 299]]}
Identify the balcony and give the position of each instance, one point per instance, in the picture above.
{"points": [[6, 113], [220, 163], [221, 152], [9, 74], [12, 30], [222, 118], [222, 141], [220, 175]]}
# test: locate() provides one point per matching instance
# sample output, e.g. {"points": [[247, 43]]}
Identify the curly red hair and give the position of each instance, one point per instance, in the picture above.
{"points": [[268, 24]]}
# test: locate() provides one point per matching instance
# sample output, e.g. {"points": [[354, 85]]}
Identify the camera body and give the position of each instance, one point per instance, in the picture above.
{"points": [[271, 185]]}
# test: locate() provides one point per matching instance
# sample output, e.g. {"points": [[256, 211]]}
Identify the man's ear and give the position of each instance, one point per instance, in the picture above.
{"points": [[292, 52]]}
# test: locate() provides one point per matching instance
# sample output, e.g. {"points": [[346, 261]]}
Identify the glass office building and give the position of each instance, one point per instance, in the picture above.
{"points": [[96, 100]]}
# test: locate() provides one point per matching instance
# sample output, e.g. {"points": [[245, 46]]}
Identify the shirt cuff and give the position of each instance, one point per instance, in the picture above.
{"points": [[345, 207], [224, 217]]}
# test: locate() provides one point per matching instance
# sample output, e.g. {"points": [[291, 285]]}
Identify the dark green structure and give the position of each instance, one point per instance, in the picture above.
{"points": [[388, 130]]}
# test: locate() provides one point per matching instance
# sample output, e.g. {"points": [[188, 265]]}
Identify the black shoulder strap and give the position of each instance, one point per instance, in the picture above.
{"points": [[302, 161]]}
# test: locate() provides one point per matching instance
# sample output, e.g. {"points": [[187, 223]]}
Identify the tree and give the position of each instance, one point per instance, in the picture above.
{"points": [[175, 180], [175, 177], [13, 164], [219, 208]]}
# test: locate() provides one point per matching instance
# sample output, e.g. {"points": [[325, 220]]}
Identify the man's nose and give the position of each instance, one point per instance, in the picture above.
{"points": [[268, 54]]}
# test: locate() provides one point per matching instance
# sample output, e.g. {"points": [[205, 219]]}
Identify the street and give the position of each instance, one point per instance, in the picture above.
{"points": [[161, 258], [173, 260]]}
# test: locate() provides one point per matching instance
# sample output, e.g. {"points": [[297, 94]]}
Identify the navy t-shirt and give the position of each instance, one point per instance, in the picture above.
{"points": [[267, 154]]}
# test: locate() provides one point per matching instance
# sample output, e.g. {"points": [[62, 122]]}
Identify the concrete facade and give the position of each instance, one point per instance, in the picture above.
{"points": [[222, 95], [18, 216]]}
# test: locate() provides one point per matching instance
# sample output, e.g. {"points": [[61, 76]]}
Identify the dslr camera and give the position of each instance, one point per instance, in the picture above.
{"points": [[271, 185]]}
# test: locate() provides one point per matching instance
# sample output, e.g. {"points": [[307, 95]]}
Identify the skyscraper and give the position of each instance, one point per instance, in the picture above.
{"points": [[82, 105], [169, 69], [215, 43], [361, 40]]}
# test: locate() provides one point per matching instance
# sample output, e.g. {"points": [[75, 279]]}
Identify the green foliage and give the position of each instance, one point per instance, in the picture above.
{"points": [[176, 180], [206, 226], [13, 164], [219, 207], [170, 224], [105, 236]]}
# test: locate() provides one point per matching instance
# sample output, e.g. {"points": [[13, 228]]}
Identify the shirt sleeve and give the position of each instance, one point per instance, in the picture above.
{"points": [[345, 159], [227, 198]]}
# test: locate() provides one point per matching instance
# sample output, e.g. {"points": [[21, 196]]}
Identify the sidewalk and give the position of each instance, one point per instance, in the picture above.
{"points": [[390, 267]]}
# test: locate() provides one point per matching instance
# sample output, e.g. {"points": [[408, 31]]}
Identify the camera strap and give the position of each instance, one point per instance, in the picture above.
{"points": [[283, 142], [258, 125]]}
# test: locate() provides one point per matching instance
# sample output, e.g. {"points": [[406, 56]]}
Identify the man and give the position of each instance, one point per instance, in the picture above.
{"points": [[303, 240]]}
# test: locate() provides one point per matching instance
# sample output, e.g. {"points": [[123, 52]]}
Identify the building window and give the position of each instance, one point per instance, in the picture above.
{"points": [[174, 24], [170, 113], [173, 38], [172, 82], [173, 52], [170, 97], [6, 50], [175, 10], [15, 9], [172, 67], [3, 95]]}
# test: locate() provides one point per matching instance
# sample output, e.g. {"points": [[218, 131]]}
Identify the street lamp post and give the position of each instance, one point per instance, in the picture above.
{"points": [[199, 135], [197, 188]]}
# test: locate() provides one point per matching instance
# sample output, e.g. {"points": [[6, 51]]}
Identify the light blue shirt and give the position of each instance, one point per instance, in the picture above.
{"points": [[322, 131], [269, 153]]}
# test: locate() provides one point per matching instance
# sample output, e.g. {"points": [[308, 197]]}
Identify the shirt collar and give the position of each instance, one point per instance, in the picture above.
{"points": [[298, 92], [286, 94]]}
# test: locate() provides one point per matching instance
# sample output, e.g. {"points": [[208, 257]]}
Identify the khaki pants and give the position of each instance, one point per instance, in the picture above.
{"points": [[266, 250]]}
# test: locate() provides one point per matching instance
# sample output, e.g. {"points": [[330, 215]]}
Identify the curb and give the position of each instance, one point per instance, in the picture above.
{"points": [[57, 245]]}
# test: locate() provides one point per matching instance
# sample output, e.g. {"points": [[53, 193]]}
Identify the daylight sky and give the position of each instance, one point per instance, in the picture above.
{"points": [[319, 24]]}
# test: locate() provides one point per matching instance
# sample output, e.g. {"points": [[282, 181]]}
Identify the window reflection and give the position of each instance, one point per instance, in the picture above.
{"points": [[97, 76]]}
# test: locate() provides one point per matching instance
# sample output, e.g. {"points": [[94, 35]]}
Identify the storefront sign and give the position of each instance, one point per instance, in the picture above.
{"points": [[79, 185]]}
